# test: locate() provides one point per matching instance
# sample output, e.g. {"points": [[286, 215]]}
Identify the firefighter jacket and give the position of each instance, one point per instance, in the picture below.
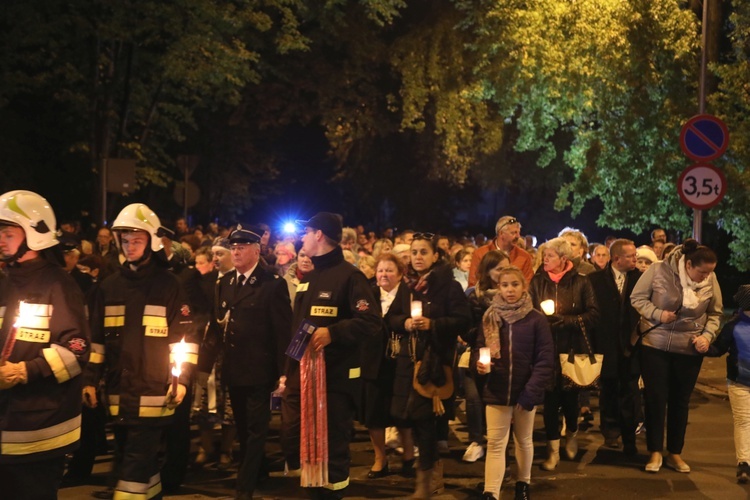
{"points": [[253, 324], [138, 321], [338, 296], [41, 419]]}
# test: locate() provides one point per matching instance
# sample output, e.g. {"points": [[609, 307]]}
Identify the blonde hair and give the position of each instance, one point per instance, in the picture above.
{"points": [[560, 246], [514, 271]]}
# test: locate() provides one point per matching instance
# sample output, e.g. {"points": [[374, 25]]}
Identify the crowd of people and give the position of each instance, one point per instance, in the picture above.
{"points": [[203, 324]]}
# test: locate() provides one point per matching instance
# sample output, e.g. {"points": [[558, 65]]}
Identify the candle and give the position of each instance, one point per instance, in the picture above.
{"points": [[484, 355], [548, 307], [416, 308], [10, 340], [178, 354]]}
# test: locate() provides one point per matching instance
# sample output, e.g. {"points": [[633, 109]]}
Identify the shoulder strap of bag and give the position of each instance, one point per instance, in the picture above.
{"points": [[586, 339]]}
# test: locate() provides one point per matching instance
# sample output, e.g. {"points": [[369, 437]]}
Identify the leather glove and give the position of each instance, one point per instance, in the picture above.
{"points": [[173, 400], [89, 396], [570, 320], [12, 374], [555, 320]]}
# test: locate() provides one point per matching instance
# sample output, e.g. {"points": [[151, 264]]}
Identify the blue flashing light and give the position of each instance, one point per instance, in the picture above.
{"points": [[289, 227]]}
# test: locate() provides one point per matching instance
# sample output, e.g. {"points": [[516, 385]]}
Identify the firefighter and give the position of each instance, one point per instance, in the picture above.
{"points": [[141, 328], [45, 341], [337, 299]]}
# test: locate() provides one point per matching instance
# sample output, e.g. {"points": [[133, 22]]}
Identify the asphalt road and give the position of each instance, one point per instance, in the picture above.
{"points": [[596, 473]]}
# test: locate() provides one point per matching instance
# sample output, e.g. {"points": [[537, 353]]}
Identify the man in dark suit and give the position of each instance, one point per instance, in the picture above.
{"points": [[252, 323], [618, 401]]}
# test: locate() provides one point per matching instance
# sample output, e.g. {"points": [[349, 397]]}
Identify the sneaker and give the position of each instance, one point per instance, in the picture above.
{"points": [[474, 452], [743, 472], [442, 447]]}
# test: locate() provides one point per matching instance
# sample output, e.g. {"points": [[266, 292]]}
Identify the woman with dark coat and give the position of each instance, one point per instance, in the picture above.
{"points": [[521, 352], [574, 305], [379, 356], [431, 339]]}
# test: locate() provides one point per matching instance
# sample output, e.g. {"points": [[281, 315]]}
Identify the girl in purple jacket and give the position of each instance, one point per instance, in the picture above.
{"points": [[520, 367]]}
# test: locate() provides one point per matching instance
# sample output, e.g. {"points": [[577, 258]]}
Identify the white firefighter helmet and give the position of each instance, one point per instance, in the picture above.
{"points": [[33, 214], [138, 217]]}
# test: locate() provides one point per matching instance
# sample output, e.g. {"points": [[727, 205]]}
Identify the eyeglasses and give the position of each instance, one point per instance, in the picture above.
{"points": [[423, 236], [508, 222]]}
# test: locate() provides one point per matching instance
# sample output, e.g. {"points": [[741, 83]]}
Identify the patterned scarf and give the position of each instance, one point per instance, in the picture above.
{"points": [[498, 311], [418, 283]]}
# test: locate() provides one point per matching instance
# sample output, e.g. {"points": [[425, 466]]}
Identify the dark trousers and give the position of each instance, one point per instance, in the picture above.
{"points": [[619, 403], [426, 430], [252, 412], [136, 459], [669, 380], [290, 427], [474, 407], [32, 481], [553, 401], [93, 442]]}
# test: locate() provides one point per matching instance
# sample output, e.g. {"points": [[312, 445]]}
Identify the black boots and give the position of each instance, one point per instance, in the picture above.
{"points": [[522, 491]]}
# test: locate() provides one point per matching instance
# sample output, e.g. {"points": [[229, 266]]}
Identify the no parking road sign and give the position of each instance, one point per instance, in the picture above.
{"points": [[701, 186], [704, 138]]}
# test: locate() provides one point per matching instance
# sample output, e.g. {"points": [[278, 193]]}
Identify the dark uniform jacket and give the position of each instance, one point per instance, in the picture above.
{"points": [[337, 295], [617, 317], [258, 331], [42, 418], [138, 318]]}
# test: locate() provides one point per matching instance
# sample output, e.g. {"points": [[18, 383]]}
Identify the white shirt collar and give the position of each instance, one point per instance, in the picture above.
{"points": [[248, 273]]}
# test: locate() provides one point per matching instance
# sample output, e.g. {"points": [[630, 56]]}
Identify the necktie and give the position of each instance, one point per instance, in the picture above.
{"points": [[620, 282], [240, 281]]}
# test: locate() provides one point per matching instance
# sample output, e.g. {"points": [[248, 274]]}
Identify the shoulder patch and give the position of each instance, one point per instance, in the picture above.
{"points": [[185, 310], [77, 345]]}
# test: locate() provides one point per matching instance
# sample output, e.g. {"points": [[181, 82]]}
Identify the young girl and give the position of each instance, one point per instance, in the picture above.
{"points": [[521, 352], [735, 338]]}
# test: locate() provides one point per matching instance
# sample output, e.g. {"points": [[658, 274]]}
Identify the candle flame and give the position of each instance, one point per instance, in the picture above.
{"points": [[25, 312], [178, 354]]}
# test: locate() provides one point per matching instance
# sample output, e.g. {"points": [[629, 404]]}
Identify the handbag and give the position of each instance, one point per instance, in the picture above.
{"points": [[581, 371], [433, 380]]}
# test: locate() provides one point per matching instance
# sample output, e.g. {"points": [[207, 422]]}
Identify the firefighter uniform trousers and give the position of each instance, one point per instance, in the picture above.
{"points": [[137, 461]]}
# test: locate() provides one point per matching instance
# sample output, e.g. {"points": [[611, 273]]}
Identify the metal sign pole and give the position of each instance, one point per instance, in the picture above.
{"points": [[698, 214]]}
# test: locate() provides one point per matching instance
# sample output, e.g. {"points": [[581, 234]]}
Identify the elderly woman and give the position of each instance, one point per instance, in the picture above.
{"points": [[430, 339], [285, 256], [680, 304], [379, 366], [575, 305]]}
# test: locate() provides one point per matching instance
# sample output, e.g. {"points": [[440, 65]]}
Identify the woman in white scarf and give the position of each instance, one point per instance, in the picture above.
{"points": [[680, 304]]}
